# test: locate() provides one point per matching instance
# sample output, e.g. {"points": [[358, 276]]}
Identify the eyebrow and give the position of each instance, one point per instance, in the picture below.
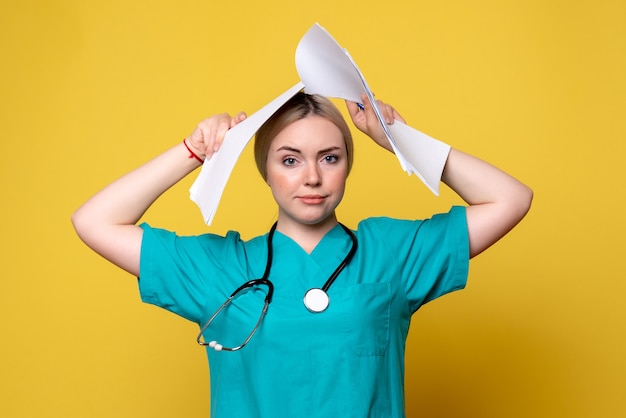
{"points": [[296, 150]]}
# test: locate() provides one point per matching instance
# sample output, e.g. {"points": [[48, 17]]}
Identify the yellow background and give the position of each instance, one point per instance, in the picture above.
{"points": [[89, 90]]}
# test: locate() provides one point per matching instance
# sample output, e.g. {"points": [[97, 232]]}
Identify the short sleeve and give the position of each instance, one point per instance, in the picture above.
{"points": [[178, 273], [431, 256]]}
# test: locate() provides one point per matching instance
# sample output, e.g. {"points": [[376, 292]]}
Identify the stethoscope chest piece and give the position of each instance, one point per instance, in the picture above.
{"points": [[316, 300]]}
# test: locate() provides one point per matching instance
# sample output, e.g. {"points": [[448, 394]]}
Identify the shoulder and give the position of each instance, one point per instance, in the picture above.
{"points": [[388, 227], [403, 236], [215, 245]]}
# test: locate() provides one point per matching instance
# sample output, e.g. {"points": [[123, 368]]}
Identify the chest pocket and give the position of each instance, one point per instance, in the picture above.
{"points": [[366, 311]]}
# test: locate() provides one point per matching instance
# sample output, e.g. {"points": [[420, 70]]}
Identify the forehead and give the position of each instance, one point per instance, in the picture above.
{"points": [[311, 131]]}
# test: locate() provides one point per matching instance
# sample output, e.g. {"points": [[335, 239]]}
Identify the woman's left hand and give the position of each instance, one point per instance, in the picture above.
{"points": [[366, 121]]}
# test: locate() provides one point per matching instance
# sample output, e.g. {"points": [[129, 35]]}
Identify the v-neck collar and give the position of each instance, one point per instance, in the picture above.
{"points": [[334, 245], [334, 233], [295, 270]]}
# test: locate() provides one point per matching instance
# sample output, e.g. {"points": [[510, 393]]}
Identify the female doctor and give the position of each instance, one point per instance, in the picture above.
{"points": [[339, 351]]}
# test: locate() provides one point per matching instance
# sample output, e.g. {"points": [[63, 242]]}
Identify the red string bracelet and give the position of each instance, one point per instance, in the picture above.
{"points": [[191, 153]]}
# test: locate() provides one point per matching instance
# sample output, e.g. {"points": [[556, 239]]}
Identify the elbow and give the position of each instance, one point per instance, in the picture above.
{"points": [[521, 202], [84, 225], [488, 223], [526, 199], [79, 223]]}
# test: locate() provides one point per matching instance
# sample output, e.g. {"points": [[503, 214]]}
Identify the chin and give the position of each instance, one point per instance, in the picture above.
{"points": [[319, 220]]}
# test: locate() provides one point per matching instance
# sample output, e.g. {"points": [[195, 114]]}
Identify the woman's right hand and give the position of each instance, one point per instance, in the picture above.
{"points": [[107, 221], [208, 136]]}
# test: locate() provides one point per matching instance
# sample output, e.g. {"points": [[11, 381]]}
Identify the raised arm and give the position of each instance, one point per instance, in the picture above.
{"points": [[107, 221], [497, 201]]}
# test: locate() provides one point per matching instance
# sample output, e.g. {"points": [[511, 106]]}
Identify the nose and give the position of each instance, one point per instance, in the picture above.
{"points": [[313, 175]]}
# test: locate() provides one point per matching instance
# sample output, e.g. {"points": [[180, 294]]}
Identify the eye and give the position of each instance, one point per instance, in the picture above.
{"points": [[331, 158], [289, 161]]}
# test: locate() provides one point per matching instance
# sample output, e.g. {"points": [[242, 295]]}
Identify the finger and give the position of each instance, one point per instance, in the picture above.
{"points": [[209, 139], [368, 109], [386, 112], [222, 127], [397, 116], [238, 118], [353, 109], [210, 132], [198, 138]]}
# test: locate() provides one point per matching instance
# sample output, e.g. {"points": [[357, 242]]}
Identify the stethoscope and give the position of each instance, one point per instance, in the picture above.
{"points": [[316, 300]]}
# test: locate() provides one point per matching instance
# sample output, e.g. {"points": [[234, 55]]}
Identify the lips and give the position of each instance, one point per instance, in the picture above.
{"points": [[312, 199]]}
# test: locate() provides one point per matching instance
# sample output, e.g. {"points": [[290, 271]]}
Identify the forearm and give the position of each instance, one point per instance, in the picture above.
{"points": [[125, 200], [106, 222], [497, 201]]}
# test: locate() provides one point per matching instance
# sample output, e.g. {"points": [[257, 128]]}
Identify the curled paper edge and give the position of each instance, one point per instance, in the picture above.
{"points": [[208, 188]]}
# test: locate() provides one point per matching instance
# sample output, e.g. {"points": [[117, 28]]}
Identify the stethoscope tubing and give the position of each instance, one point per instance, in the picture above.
{"points": [[270, 292], [345, 261], [268, 299]]}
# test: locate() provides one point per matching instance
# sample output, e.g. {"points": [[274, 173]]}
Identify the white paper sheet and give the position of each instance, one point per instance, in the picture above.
{"points": [[207, 190], [328, 69], [325, 68]]}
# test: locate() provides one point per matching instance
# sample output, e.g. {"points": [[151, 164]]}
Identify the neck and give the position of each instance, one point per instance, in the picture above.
{"points": [[306, 236]]}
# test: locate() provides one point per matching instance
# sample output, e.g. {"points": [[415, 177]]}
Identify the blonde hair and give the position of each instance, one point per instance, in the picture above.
{"points": [[299, 107]]}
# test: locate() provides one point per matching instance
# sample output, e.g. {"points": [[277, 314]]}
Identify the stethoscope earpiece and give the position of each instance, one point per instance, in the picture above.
{"points": [[215, 346]]}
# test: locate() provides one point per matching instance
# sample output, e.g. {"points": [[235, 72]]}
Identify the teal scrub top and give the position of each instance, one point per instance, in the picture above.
{"points": [[347, 361]]}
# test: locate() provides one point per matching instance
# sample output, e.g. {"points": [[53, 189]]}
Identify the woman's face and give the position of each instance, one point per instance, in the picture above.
{"points": [[307, 166]]}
